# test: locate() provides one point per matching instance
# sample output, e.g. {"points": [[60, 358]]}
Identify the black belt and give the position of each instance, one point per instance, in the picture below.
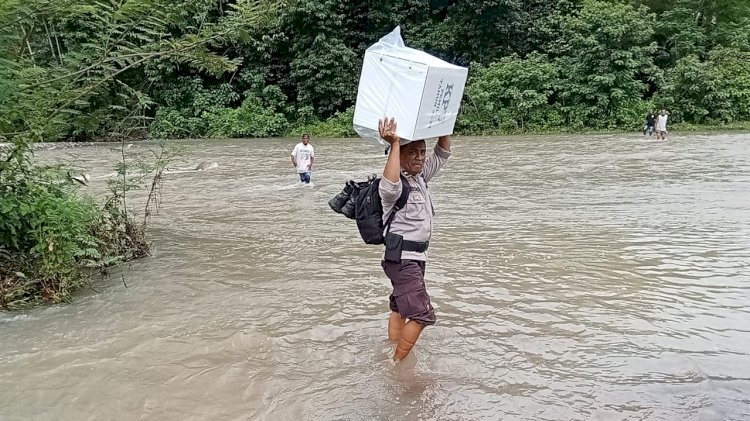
{"points": [[415, 246]]}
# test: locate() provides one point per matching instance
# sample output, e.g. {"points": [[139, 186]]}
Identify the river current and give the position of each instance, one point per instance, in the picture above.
{"points": [[602, 277]]}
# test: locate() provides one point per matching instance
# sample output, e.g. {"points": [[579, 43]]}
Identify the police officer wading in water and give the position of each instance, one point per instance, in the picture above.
{"points": [[407, 239]]}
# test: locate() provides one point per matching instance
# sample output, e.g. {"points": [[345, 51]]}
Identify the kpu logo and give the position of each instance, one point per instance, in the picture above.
{"points": [[441, 104]]}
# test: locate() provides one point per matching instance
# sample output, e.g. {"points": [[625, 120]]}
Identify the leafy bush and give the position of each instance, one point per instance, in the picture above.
{"points": [[47, 234], [631, 115], [606, 55], [184, 102], [692, 90], [195, 111], [510, 95], [52, 238], [249, 120], [338, 125], [734, 75], [171, 123], [713, 91]]}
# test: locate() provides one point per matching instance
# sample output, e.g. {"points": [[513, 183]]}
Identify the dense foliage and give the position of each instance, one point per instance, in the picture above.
{"points": [[238, 68], [45, 229]]}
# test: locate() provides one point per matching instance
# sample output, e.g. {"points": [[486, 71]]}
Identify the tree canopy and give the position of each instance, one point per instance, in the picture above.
{"points": [[93, 69]]}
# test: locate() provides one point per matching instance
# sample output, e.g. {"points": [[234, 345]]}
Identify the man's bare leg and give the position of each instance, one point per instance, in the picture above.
{"points": [[409, 337], [395, 326]]}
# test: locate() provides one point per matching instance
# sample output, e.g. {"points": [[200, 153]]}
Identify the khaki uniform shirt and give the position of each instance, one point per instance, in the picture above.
{"points": [[414, 221]]}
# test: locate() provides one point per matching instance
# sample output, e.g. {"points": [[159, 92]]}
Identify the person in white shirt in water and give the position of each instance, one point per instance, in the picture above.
{"points": [[303, 157], [661, 125]]}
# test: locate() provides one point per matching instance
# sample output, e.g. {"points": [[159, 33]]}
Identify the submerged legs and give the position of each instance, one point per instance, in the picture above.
{"points": [[409, 336]]}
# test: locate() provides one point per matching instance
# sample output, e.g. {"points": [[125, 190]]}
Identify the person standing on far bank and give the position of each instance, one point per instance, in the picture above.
{"points": [[407, 238], [303, 157], [661, 125]]}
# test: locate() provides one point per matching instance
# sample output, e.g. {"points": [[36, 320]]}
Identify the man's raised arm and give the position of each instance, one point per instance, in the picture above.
{"points": [[392, 171], [445, 143]]}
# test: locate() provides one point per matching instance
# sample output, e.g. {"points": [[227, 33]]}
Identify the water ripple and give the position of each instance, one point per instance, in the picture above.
{"points": [[575, 277]]}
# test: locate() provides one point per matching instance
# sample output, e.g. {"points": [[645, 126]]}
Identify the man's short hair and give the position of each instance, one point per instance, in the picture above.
{"points": [[413, 141], [305, 135]]}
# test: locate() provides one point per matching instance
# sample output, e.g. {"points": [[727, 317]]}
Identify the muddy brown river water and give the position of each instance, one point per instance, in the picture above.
{"points": [[575, 278]]}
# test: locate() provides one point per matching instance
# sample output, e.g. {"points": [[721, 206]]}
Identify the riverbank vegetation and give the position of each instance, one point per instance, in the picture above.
{"points": [[89, 70], [54, 237]]}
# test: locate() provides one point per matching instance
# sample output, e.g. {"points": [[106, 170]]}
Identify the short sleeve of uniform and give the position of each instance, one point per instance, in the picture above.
{"points": [[389, 192]]}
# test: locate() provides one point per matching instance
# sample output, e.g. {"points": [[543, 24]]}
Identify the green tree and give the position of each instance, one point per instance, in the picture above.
{"points": [[714, 91], [318, 68], [606, 52], [734, 73], [693, 90], [511, 94], [685, 27], [82, 68]]}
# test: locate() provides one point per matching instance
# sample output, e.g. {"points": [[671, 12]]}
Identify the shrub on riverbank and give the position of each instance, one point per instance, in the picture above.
{"points": [[339, 125], [52, 238]]}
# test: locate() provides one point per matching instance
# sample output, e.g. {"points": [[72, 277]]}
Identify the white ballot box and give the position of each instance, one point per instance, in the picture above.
{"points": [[422, 92]]}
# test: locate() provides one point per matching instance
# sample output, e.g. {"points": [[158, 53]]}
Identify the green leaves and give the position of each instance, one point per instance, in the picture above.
{"points": [[607, 56], [100, 68], [599, 61], [249, 120], [510, 95], [88, 78], [713, 91], [44, 221]]}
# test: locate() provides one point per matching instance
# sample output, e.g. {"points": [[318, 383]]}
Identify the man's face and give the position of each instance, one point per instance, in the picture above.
{"points": [[413, 155], [305, 140]]}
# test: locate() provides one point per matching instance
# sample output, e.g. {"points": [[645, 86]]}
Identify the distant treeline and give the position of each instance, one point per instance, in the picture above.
{"points": [[88, 69]]}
